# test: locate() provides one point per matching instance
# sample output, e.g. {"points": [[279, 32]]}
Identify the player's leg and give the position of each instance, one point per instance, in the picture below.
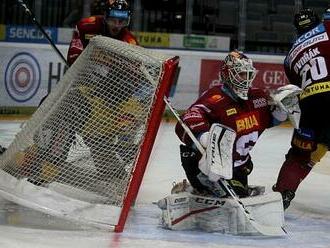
{"points": [[239, 182], [189, 161], [306, 150], [199, 181]]}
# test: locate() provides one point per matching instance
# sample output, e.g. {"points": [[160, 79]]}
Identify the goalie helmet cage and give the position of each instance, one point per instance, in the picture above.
{"points": [[83, 153]]}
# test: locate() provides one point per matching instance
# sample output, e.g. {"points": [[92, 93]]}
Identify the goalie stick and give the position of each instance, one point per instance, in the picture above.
{"points": [[34, 20], [263, 229]]}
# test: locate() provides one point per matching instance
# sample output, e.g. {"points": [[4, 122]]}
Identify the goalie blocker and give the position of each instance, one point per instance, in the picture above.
{"points": [[186, 211], [217, 161]]}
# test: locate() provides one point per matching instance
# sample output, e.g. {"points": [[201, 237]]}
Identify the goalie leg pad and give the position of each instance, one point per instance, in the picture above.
{"points": [[185, 211]]}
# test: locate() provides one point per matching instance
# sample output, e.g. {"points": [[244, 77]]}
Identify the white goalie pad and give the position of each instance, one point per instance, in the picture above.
{"points": [[217, 161], [185, 211]]}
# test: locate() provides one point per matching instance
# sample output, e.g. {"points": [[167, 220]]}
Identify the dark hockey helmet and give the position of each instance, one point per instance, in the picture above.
{"points": [[117, 16], [118, 9], [305, 20], [238, 73]]}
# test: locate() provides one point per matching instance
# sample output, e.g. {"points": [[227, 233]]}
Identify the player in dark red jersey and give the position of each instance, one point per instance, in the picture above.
{"points": [[307, 65], [236, 105], [112, 24]]}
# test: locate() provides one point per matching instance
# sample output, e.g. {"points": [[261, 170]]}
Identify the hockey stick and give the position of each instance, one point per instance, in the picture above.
{"points": [[34, 20], [263, 229]]}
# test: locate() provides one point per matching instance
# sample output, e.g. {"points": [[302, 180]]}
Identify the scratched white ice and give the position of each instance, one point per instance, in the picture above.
{"points": [[307, 220]]}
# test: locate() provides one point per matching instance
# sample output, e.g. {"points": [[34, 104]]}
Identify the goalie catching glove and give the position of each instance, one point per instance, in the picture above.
{"points": [[217, 161], [286, 98]]}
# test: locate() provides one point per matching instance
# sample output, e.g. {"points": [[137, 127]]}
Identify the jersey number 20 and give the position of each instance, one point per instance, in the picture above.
{"points": [[317, 69]]}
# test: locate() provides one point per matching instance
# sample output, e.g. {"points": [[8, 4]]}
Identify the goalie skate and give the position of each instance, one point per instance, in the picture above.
{"points": [[186, 211], [180, 187]]}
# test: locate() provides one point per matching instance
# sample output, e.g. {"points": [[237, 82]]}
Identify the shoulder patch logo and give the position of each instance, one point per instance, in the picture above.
{"points": [[231, 111], [216, 98], [91, 19]]}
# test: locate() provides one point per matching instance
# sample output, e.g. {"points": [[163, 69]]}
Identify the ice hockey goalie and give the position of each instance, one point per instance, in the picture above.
{"points": [[224, 124]]}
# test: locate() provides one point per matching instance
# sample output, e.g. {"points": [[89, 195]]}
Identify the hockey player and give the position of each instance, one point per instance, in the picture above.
{"points": [[226, 121], [112, 24], [236, 105], [307, 65]]}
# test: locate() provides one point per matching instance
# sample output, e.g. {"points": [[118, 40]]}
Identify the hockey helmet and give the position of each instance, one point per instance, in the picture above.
{"points": [[117, 15], [305, 20], [238, 73]]}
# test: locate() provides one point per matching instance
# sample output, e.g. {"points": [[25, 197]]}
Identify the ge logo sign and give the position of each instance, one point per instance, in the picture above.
{"points": [[22, 77]]}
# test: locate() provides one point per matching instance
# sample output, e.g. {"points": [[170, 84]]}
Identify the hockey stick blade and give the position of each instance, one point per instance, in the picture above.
{"points": [[262, 229], [268, 230]]}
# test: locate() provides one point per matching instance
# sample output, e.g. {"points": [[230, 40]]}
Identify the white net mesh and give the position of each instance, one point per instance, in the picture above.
{"points": [[83, 142]]}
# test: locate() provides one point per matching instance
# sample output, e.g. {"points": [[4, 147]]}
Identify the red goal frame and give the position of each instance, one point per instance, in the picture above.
{"points": [[169, 70]]}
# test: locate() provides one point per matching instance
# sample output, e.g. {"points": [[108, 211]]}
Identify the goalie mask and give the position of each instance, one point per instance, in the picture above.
{"points": [[305, 20], [238, 73], [117, 16]]}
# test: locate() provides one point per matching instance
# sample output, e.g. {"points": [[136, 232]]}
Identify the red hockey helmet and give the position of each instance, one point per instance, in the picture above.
{"points": [[238, 73]]}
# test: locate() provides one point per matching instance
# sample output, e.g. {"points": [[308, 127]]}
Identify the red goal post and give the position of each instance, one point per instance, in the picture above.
{"points": [[170, 67]]}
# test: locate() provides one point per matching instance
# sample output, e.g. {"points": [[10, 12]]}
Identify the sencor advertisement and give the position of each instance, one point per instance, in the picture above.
{"points": [[29, 34]]}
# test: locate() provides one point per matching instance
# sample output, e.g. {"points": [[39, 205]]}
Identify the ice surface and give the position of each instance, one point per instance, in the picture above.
{"points": [[307, 220]]}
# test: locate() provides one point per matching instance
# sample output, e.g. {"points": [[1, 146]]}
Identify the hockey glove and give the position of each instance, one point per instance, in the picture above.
{"points": [[217, 161], [286, 98]]}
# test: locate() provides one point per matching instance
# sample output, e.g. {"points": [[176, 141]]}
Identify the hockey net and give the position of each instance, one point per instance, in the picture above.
{"points": [[83, 153]]}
